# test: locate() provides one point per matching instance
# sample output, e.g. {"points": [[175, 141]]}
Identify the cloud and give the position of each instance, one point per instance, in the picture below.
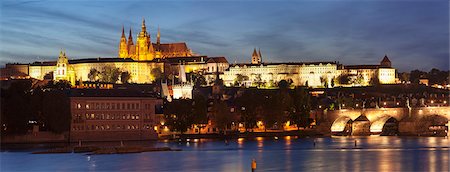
{"points": [[414, 34]]}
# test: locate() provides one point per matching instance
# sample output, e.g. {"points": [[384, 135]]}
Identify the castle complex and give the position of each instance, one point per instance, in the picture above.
{"points": [[141, 58]]}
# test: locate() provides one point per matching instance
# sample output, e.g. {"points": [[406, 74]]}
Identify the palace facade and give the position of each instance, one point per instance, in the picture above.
{"points": [[314, 74]]}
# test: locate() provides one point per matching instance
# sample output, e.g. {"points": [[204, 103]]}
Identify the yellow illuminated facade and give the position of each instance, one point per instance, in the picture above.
{"points": [[144, 49], [63, 70], [316, 74]]}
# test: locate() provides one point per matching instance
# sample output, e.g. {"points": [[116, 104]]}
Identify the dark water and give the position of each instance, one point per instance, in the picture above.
{"points": [[373, 153]]}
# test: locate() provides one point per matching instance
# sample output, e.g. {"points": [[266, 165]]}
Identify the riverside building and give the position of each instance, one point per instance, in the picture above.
{"points": [[112, 115]]}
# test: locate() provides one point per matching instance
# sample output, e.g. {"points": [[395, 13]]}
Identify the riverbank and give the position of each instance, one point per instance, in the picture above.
{"points": [[94, 150], [249, 135]]}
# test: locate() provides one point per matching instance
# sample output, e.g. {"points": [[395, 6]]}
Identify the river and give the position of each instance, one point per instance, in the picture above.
{"points": [[373, 153]]}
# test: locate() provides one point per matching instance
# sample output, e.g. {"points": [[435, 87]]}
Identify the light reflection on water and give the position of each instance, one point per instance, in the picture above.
{"points": [[372, 153]]}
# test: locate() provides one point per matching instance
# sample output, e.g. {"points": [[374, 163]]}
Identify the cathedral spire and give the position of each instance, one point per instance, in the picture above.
{"points": [[123, 32], [143, 24], [130, 38], [158, 37], [259, 55], [255, 54]]}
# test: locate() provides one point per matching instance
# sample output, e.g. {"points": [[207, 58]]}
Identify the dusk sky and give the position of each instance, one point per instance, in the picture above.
{"points": [[414, 34]]}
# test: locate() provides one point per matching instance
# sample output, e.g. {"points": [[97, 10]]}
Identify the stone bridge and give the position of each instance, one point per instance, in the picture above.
{"points": [[386, 121]]}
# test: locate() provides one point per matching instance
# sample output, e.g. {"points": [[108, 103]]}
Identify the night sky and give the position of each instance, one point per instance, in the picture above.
{"points": [[414, 34]]}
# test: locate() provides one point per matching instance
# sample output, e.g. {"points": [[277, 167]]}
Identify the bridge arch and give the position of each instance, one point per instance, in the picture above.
{"points": [[342, 126], [385, 125]]}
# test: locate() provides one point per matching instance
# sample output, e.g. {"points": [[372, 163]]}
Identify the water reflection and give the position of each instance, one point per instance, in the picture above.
{"points": [[282, 154]]}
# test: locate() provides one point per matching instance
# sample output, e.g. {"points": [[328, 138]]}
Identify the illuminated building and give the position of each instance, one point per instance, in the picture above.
{"points": [[14, 71], [315, 74], [78, 69], [383, 73], [144, 49], [108, 115]]}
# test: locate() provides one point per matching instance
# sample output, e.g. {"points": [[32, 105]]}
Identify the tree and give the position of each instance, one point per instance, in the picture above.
{"points": [[239, 79], [16, 107], [179, 115], [416, 75], [58, 85], [273, 114], [56, 111], [332, 82], [343, 79], [404, 76], [374, 80], [198, 79], [110, 74], [302, 105], [248, 108], [437, 76], [93, 74], [283, 84], [49, 76], [125, 77], [222, 117], [200, 109], [156, 73]]}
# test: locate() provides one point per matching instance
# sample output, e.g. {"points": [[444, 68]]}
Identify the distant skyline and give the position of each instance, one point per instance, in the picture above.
{"points": [[413, 33]]}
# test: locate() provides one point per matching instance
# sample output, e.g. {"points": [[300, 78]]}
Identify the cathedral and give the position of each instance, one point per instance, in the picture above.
{"points": [[144, 49]]}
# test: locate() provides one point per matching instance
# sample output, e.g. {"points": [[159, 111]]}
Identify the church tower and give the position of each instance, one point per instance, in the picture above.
{"points": [[260, 56], [123, 47], [144, 50], [256, 59], [131, 47], [63, 71]]}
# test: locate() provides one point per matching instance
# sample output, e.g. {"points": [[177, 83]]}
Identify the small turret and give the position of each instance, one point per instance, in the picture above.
{"points": [[385, 62], [255, 57]]}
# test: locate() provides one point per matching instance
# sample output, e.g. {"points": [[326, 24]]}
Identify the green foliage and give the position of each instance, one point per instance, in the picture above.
{"points": [[125, 77], [240, 79], [93, 74], [198, 79], [157, 74], [110, 74]]}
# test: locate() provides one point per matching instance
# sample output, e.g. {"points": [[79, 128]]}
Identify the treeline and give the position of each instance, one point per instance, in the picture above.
{"points": [[23, 106], [112, 74], [272, 107], [434, 76]]}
